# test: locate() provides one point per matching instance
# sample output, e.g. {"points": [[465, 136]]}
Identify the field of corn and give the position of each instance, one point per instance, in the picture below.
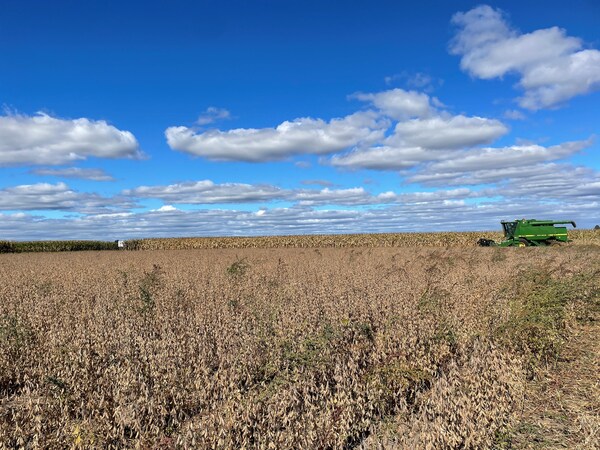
{"points": [[55, 246], [445, 239], [319, 348]]}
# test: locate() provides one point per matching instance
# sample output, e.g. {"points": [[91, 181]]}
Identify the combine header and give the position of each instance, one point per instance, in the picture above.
{"points": [[530, 232]]}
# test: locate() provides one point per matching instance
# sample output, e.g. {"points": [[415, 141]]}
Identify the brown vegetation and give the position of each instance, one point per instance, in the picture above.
{"points": [[442, 239], [562, 405], [282, 348]]}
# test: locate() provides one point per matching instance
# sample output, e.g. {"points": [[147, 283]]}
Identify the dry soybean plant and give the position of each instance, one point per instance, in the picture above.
{"points": [[280, 348]]}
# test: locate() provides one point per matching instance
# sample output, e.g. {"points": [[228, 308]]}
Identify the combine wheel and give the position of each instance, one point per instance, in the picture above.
{"points": [[523, 242]]}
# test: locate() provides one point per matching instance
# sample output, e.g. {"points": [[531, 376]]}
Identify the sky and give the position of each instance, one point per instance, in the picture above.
{"points": [[140, 119]]}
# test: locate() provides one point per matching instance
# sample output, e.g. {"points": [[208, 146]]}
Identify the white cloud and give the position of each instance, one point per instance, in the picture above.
{"points": [[213, 114], [398, 103], [351, 196], [558, 81], [46, 140], [422, 132], [420, 140], [561, 184], [506, 157], [382, 158], [166, 208], [452, 214], [506, 166], [566, 183], [300, 136], [57, 197], [38, 196], [479, 177], [75, 172], [441, 195], [348, 197], [552, 66], [514, 114], [207, 192], [415, 80], [420, 80], [448, 132]]}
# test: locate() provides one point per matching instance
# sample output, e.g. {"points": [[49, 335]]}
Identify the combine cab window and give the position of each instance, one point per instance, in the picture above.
{"points": [[509, 229]]}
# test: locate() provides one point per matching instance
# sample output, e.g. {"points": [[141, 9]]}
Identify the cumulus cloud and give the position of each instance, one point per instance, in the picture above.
{"points": [[75, 172], [506, 157], [504, 165], [46, 140], [422, 131], [447, 195], [207, 192], [566, 183], [419, 140], [166, 208], [382, 158], [398, 103], [40, 196], [558, 183], [58, 197], [479, 177], [351, 196], [514, 114], [300, 136], [448, 132], [213, 114], [553, 67]]}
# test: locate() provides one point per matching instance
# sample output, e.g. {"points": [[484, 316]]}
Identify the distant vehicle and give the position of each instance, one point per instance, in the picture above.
{"points": [[530, 232]]}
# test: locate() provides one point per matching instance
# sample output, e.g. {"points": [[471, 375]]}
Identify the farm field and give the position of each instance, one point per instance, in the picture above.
{"points": [[446, 239], [356, 347]]}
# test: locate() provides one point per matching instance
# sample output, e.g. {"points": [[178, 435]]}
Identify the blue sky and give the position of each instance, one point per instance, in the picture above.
{"points": [[140, 119]]}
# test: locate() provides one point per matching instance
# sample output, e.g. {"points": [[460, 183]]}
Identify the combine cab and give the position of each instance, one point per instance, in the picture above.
{"points": [[527, 232]]}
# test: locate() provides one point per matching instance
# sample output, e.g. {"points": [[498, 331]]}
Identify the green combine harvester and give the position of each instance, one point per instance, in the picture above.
{"points": [[530, 232]]}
